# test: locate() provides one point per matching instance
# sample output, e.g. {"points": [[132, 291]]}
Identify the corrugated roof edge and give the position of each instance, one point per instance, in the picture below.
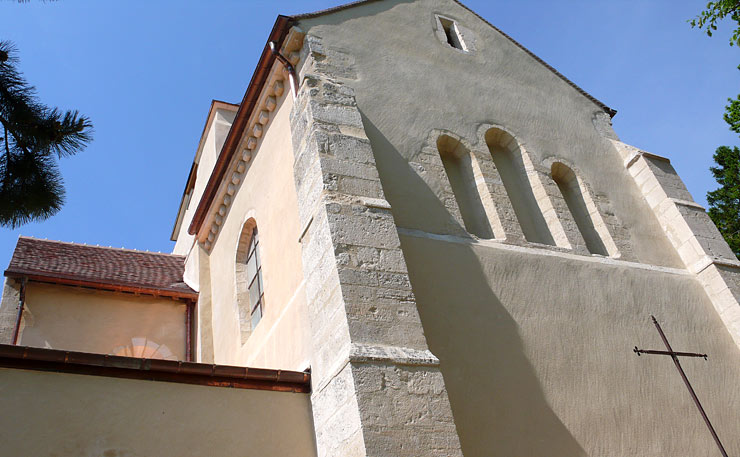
{"points": [[55, 360], [611, 112]]}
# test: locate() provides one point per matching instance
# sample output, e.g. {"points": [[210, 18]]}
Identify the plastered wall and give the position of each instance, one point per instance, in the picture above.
{"points": [[535, 342], [93, 416], [76, 319], [268, 195], [412, 84], [536, 352]]}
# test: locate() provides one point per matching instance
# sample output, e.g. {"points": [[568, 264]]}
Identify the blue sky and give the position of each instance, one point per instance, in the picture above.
{"points": [[145, 73]]}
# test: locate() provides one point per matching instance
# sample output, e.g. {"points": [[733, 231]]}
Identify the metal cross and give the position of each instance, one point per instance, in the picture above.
{"points": [[675, 355]]}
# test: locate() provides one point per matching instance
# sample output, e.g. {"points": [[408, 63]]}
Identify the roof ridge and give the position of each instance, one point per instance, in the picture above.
{"points": [[96, 246], [610, 111]]}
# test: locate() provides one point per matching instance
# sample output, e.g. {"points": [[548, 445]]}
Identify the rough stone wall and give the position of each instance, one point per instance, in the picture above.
{"points": [[9, 310], [377, 390]]}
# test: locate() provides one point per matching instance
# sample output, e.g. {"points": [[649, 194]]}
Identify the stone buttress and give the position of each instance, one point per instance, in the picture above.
{"points": [[693, 234], [377, 389]]}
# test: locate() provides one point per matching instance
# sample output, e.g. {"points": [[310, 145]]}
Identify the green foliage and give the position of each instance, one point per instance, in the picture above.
{"points": [[724, 203], [717, 11], [33, 137], [732, 114]]}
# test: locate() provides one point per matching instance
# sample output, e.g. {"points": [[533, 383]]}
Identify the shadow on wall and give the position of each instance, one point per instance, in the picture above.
{"points": [[496, 398]]}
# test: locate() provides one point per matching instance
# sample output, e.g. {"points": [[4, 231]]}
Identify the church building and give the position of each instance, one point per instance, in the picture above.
{"points": [[412, 237]]}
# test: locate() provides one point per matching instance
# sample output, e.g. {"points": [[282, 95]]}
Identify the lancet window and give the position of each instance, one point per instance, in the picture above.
{"points": [[457, 162], [250, 292]]}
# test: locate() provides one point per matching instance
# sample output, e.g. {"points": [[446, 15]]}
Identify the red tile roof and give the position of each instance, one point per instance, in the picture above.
{"points": [[100, 267]]}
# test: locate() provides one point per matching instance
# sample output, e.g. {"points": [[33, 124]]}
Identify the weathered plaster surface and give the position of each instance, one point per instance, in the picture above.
{"points": [[68, 415], [75, 319], [266, 194], [409, 84], [534, 341], [536, 352]]}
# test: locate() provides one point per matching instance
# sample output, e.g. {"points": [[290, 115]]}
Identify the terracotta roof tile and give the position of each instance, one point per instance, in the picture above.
{"points": [[117, 268]]}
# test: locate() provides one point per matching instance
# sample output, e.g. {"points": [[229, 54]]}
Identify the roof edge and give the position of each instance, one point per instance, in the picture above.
{"points": [[246, 107], [192, 174], [110, 286], [611, 112], [60, 361]]}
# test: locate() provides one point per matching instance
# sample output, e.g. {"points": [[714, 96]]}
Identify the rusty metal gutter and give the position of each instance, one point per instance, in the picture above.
{"points": [[53, 360], [246, 107], [19, 317]]}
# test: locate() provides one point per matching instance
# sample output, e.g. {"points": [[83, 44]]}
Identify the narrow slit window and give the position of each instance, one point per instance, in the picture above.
{"points": [[250, 290], [452, 33], [254, 279], [583, 210], [457, 163], [507, 157]]}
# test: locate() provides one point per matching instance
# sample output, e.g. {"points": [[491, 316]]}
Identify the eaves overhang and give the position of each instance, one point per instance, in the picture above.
{"points": [[246, 109]]}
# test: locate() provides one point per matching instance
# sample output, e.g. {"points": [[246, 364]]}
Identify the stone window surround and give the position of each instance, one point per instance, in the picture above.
{"points": [[593, 212], [461, 34], [244, 306], [534, 177]]}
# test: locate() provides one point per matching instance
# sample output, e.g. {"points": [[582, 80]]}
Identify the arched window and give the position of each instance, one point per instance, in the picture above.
{"points": [[586, 216], [507, 156], [250, 293], [458, 165]]}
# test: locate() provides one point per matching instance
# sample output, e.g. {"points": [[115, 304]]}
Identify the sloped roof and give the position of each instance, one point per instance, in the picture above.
{"points": [[100, 267], [611, 112], [259, 77]]}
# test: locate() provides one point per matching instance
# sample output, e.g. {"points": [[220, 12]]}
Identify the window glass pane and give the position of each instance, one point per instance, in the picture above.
{"points": [[251, 268], [259, 279], [254, 293], [256, 316], [257, 254]]}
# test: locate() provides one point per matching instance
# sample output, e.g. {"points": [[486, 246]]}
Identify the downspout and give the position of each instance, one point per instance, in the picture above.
{"points": [[20, 311], [288, 66], [189, 331]]}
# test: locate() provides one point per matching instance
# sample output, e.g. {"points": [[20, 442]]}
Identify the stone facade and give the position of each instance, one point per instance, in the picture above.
{"points": [[377, 388], [9, 310]]}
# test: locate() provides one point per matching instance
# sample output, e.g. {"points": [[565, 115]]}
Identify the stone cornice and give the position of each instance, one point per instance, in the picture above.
{"points": [[277, 85]]}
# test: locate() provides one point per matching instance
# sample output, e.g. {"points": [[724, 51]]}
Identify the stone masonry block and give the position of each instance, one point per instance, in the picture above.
{"points": [[364, 231], [335, 114], [9, 310], [668, 178]]}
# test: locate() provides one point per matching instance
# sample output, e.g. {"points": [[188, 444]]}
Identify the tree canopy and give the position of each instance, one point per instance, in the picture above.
{"points": [[724, 202], [33, 137], [716, 11]]}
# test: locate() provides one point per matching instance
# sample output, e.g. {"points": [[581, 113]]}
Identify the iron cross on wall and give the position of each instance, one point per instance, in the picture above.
{"points": [[675, 355]]}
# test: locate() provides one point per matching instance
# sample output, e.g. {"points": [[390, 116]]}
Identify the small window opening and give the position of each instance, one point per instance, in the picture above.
{"points": [[582, 209], [507, 157], [457, 162], [452, 34], [254, 279], [250, 291]]}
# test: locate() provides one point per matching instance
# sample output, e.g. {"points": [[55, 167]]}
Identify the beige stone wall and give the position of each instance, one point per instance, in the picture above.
{"points": [[267, 194], [9, 304], [85, 320], [93, 416]]}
